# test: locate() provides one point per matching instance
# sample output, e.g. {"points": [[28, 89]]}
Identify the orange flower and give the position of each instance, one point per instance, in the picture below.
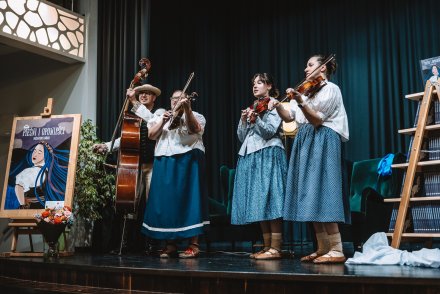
{"points": [[57, 220], [45, 213]]}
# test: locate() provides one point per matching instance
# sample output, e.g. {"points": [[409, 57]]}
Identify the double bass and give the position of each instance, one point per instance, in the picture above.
{"points": [[127, 180]]}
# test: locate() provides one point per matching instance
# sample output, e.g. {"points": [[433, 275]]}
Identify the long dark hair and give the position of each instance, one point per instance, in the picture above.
{"points": [[55, 168], [268, 80]]}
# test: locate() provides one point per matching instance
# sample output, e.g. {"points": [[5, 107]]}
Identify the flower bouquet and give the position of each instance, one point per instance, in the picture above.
{"points": [[52, 223]]}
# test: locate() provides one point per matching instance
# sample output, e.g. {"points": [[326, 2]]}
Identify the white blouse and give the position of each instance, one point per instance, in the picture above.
{"points": [[330, 108], [26, 178], [178, 140]]}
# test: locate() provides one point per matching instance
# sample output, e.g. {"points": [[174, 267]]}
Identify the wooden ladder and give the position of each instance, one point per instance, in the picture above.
{"points": [[413, 164]]}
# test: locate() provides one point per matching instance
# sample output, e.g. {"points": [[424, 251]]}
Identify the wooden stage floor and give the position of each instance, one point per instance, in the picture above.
{"points": [[217, 272]]}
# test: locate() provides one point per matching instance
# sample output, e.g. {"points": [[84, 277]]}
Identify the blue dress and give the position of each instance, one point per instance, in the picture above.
{"points": [[177, 203], [260, 176], [314, 180]]}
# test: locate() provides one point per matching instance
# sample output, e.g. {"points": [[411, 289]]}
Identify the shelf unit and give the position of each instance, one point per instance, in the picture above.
{"points": [[414, 165]]}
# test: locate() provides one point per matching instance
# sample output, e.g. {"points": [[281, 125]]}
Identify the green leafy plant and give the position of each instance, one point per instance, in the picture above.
{"points": [[94, 186]]}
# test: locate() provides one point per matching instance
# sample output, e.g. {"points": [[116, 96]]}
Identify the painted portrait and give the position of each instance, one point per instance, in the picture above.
{"points": [[41, 164]]}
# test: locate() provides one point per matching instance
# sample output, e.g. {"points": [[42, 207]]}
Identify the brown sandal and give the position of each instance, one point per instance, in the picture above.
{"points": [[253, 255], [310, 257], [270, 254], [330, 257]]}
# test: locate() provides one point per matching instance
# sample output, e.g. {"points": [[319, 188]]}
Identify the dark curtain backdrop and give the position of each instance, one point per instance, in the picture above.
{"points": [[123, 37], [378, 45]]}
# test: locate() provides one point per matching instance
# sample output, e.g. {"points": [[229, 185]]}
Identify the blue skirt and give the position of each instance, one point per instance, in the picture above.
{"points": [[314, 179], [177, 202], [259, 185]]}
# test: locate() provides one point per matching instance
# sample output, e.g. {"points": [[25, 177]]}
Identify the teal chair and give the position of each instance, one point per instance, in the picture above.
{"points": [[220, 215], [369, 212], [223, 205]]}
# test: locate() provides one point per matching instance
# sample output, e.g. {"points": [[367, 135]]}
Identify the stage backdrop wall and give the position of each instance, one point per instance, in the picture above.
{"points": [[27, 80], [378, 45]]}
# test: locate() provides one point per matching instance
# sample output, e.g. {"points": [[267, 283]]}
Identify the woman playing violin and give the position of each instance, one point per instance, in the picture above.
{"points": [[314, 181], [177, 203], [261, 169]]}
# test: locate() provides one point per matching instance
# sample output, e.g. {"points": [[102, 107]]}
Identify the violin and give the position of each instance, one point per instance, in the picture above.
{"points": [[178, 109], [259, 106], [308, 88]]}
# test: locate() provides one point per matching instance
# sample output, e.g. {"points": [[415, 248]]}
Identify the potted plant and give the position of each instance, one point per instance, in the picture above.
{"points": [[94, 187]]}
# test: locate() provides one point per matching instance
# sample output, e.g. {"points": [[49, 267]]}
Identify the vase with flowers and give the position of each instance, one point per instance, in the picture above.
{"points": [[52, 223]]}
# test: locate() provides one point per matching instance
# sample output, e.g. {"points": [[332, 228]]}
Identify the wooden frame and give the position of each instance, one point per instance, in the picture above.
{"points": [[58, 136]]}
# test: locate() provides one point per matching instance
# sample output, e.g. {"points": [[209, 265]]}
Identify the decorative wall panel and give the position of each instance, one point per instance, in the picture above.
{"points": [[45, 25]]}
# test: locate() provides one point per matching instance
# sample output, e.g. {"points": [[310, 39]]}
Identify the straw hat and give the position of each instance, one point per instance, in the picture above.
{"points": [[149, 88]]}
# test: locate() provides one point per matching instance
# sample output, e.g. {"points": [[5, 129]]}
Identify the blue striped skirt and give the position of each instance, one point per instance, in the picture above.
{"points": [[259, 184], [314, 179], [177, 202]]}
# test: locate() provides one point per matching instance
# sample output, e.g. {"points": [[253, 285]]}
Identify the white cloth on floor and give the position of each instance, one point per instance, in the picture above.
{"points": [[377, 251]]}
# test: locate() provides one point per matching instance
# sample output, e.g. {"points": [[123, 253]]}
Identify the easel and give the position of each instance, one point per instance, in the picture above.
{"points": [[27, 226]]}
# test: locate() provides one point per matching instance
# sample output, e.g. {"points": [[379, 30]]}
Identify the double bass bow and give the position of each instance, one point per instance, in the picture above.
{"points": [[127, 180]]}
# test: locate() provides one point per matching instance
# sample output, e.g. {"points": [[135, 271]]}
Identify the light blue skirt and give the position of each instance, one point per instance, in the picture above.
{"points": [[259, 185], [177, 202], [314, 179]]}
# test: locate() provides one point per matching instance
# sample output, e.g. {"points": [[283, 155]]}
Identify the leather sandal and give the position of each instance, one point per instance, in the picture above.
{"points": [[270, 254], [310, 257], [330, 257], [252, 256], [192, 251], [169, 251]]}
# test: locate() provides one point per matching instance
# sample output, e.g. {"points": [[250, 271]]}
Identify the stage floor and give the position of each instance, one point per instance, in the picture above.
{"points": [[216, 272]]}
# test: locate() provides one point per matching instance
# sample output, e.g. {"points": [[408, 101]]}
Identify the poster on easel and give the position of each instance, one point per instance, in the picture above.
{"points": [[41, 164], [430, 69]]}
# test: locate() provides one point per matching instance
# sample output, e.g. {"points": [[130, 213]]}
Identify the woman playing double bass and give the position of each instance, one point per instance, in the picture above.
{"points": [[177, 203], [142, 99]]}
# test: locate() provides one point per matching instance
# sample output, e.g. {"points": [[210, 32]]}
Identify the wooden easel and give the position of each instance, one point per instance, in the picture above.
{"points": [[29, 226], [414, 165]]}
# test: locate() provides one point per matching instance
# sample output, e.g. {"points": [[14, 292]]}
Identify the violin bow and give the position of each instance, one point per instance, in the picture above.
{"points": [[327, 60], [191, 76]]}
